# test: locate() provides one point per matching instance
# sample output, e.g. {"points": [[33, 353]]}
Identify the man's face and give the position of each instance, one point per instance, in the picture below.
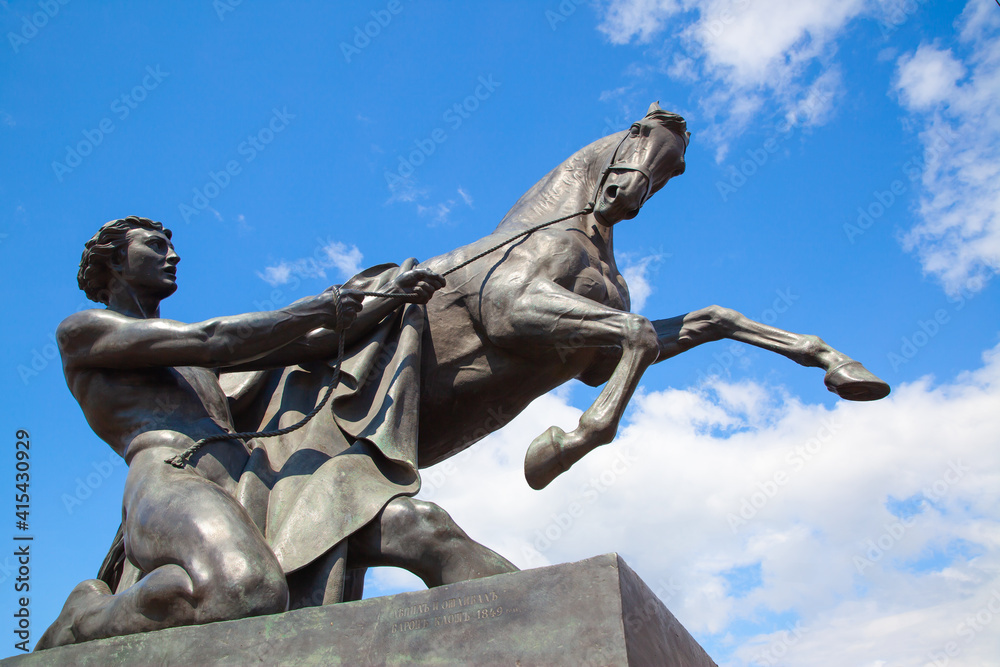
{"points": [[149, 263]]}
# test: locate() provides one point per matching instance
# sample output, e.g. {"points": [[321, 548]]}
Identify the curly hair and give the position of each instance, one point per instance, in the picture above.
{"points": [[100, 250]]}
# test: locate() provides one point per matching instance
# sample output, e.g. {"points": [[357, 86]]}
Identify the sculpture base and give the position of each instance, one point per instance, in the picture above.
{"points": [[594, 612]]}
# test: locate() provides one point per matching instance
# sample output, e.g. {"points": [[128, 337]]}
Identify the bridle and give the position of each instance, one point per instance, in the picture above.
{"points": [[611, 165]]}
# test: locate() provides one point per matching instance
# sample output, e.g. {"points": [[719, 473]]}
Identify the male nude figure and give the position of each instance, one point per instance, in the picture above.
{"points": [[204, 558]]}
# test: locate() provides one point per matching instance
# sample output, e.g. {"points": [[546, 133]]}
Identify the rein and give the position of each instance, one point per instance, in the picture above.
{"points": [[184, 457], [179, 460]]}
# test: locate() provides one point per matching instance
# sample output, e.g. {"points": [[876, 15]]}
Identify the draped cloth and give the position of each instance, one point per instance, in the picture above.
{"points": [[309, 490]]}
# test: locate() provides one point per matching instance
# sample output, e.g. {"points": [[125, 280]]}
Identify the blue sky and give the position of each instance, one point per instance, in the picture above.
{"points": [[842, 180]]}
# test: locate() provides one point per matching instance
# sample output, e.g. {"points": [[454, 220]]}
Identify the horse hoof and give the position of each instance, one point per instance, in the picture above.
{"points": [[542, 462], [853, 382]]}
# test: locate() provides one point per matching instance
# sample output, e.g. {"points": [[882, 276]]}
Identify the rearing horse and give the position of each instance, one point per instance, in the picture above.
{"points": [[499, 333]]}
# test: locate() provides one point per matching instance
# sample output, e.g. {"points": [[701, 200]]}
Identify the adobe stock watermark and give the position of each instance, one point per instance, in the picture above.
{"points": [[91, 482], [778, 648], [433, 479], [562, 12], [33, 22], [876, 549], [223, 7], [715, 25], [47, 354], [883, 200], [248, 149], [919, 338], [612, 125], [898, 16], [41, 358], [495, 420], [971, 627], [122, 107], [562, 522], [725, 359], [87, 485], [455, 116], [796, 458], [363, 35], [638, 616], [926, 330], [757, 158]]}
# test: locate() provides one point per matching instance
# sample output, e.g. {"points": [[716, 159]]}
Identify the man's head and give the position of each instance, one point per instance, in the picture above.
{"points": [[107, 254]]}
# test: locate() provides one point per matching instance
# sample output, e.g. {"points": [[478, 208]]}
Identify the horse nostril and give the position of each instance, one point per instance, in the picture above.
{"points": [[611, 192]]}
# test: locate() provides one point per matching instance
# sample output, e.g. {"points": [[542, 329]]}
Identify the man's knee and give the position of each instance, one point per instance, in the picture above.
{"points": [[181, 518], [146, 443], [243, 589], [265, 592]]}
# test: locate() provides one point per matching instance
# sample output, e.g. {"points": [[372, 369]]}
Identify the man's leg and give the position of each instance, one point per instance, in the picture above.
{"points": [[419, 536], [206, 561]]}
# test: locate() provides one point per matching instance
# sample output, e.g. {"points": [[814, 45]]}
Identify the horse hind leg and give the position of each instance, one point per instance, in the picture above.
{"points": [[421, 537], [844, 376]]}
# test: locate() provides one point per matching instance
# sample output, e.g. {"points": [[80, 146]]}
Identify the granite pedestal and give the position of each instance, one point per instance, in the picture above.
{"points": [[594, 612]]}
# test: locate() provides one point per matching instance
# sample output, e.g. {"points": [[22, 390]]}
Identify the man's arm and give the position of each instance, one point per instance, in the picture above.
{"points": [[321, 344], [106, 339]]}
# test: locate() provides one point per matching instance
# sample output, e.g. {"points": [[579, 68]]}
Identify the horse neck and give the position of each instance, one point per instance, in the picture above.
{"points": [[565, 190]]}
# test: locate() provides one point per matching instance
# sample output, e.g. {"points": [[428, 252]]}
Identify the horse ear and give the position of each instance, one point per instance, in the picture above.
{"points": [[655, 106]]}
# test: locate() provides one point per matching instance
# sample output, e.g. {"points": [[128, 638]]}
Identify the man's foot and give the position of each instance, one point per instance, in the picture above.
{"points": [[853, 382], [83, 598]]}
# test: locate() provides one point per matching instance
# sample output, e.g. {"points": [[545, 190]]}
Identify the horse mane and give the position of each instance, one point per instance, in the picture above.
{"points": [[564, 189]]}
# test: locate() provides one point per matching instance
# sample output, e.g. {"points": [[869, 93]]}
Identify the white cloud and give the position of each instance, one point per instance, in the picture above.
{"points": [[404, 189], [636, 276], [818, 488], [745, 55], [928, 77], [955, 99], [438, 213], [328, 255], [609, 95], [277, 275], [641, 19]]}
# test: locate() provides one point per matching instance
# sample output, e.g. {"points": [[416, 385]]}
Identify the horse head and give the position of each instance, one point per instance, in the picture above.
{"points": [[649, 154]]}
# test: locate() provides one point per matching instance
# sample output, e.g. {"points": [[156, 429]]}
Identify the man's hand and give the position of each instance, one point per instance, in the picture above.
{"points": [[350, 304], [420, 284]]}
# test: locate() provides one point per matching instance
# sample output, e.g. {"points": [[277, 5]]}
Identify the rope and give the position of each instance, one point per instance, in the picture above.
{"points": [[585, 210], [184, 457]]}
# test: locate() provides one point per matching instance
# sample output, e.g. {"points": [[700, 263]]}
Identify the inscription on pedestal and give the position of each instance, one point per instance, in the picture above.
{"points": [[478, 607]]}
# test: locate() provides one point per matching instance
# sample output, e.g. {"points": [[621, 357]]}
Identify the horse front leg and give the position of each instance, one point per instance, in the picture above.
{"points": [[844, 376], [543, 316]]}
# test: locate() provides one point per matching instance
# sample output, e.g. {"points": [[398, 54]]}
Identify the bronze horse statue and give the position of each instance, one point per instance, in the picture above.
{"points": [[499, 332], [536, 303]]}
